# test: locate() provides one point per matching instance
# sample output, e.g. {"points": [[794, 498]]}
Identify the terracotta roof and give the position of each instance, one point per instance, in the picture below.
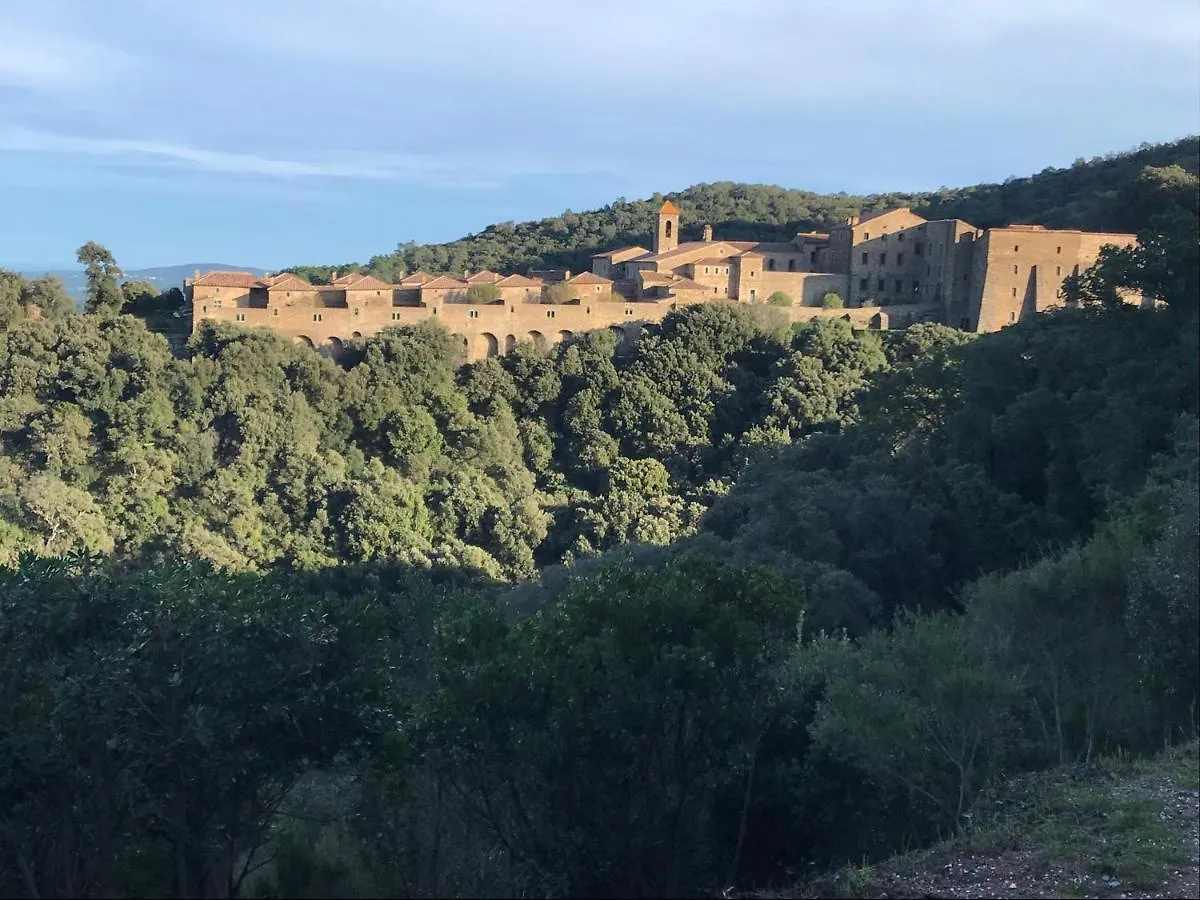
{"points": [[486, 276], [867, 217], [444, 281], [417, 277], [518, 281], [686, 284], [747, 253], [668, 209], [363, 283], [589, 278], [622, 254], [227, 279], [713, 261], [288, 280]]}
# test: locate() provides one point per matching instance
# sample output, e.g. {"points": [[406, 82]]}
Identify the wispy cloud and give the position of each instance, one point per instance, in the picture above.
{"points": [[441, 171]]}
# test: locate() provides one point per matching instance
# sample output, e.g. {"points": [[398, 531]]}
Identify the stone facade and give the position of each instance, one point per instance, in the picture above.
{"points": [[889, 267]]}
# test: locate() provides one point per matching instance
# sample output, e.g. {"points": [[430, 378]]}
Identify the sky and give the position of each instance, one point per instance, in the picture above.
{"points": [[277, 132]]}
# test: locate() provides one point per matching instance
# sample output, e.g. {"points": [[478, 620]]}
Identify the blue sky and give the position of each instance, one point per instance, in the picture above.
{"points": [[273, 132]]}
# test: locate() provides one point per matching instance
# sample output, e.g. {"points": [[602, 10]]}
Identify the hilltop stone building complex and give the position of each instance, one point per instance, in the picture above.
{"points": [[888, 267]]}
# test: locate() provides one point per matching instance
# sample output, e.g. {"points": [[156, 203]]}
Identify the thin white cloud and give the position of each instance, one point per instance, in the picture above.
{"points": [[442, 171]]}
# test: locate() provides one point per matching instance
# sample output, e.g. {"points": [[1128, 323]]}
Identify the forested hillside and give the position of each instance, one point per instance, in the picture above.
{"points": [[731, 606], [1101, 194]]}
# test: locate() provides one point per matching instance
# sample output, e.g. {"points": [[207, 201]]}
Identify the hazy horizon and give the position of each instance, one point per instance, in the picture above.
{"points": [[279, 133]]}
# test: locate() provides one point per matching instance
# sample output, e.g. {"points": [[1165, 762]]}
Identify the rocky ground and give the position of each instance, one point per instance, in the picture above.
{"points": [[1108, 830]]}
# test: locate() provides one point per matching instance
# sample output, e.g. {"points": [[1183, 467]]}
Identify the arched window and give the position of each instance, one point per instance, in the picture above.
{"points": [[667, 231], [770, 265]]}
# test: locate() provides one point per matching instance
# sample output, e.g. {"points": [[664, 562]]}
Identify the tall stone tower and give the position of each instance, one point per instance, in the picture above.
{"points": [[667, 236]]}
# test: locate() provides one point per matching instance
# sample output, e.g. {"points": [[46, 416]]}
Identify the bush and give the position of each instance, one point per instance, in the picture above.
{"points": [[832, 300], [779, 298], [480, 294]]}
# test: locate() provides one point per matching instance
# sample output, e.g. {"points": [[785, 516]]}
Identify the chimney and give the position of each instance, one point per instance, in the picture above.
{"points": [[195, 274], [708, 234], [566, 274], [333, 276], [466, 273]]}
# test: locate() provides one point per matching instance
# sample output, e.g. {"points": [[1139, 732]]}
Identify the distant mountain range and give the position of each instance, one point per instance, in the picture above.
{"points": [[163, 277]]}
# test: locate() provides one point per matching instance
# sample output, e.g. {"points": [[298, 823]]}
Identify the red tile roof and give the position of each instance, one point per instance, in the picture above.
{"points": [[518, 281], [486, 276], [363, 283], [227, 279], [444, 281], [589, 278], [286, 280], [668, 209], [417, 277]]}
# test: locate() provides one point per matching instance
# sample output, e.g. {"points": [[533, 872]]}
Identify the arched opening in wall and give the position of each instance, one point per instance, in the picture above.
{"points": [[669, 227], [334, 347], [619, 333], [303, 339], [539, 339], [770, 265], [509, 342], [564, 336], [490, 346], [356, 334], [463, 344]]}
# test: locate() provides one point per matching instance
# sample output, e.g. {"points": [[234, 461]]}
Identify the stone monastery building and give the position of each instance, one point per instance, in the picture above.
{"points": [[888, 267]]}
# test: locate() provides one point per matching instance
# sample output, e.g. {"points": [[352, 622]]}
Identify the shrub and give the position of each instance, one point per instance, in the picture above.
{"points": [[483, 293], [779, 298], [832, 300]]}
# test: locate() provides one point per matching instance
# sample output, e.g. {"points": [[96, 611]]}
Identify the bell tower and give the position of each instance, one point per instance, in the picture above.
{"points": [[667, 236]]}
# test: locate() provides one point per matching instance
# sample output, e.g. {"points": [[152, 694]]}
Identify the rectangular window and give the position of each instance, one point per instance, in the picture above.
{"points": [[916, 287], [899, 285], [629, 312], [316, 317], [395, 317], [883, 237], [706, 270], [883, 259], [1014, 292], [928, 271], [241, 317], [812, 258], [900, 236], [917, 248], [866, 235], [866, 256], [1016, 248], [1059, 250], [549, 314], [1058, 270], [473, 314], [880, 284], [1016, 269], [899, 259], [274, 312], [862, 284], [356, 310]]}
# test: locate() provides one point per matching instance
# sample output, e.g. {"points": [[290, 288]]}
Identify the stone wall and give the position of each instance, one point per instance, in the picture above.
{"points": [[486, 330]]}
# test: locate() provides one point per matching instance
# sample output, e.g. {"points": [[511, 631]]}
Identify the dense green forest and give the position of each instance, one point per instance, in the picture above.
{"points": [[1103, 194], [711, 611]]}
